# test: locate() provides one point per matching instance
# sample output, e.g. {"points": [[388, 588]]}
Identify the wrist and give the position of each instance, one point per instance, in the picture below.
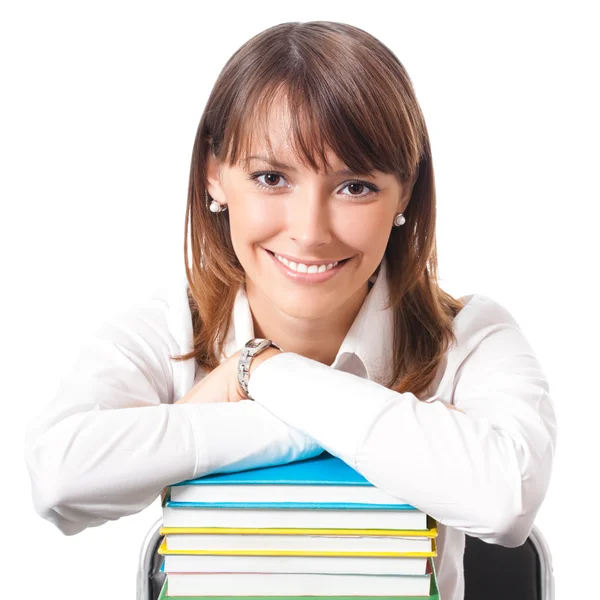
{"points": [[258, 360]]}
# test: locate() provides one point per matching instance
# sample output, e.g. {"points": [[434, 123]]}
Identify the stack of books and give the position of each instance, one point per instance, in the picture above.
{"points": [[313, 527]]}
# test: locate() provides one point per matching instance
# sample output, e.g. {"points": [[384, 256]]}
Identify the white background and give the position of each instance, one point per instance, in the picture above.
{"points": [[100, 104]]}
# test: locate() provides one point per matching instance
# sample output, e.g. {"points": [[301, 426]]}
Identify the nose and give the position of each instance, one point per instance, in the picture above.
{"points": [[309, 219]]}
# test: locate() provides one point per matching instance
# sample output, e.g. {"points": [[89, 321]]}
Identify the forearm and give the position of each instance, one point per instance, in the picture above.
{"points": [[92, 467], [96, 466], [488, 481], [244, 435]]}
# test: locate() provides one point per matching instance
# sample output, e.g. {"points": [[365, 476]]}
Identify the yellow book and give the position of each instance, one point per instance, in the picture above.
{"points": [[295, 561], [315, 541]]}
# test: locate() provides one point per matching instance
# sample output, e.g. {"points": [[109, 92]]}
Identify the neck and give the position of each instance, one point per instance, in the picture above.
{"points": [[317, 338]]}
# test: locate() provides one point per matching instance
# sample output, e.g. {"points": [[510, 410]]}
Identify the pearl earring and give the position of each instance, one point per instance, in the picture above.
{"points": [[399, 219], [214, 205]]}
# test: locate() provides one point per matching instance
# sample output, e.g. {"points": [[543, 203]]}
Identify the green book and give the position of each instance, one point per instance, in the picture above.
{"points": [[433, 595]]}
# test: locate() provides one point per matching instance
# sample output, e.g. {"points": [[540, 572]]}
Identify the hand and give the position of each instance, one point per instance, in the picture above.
{"points": [[221, 384]]}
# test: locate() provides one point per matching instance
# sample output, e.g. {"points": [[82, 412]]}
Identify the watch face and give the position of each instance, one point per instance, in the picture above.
{"points": [[255, 343]]}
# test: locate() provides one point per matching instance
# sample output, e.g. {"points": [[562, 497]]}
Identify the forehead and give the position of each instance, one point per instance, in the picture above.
{"points": [[279, 138]]}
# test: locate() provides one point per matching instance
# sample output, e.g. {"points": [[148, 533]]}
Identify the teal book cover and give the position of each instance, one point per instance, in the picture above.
{"points": [[324, 469]]}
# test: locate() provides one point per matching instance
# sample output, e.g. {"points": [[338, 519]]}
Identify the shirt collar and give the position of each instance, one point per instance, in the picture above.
{"points": [[367, 348]]}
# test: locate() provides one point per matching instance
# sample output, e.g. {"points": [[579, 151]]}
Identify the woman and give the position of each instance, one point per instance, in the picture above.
{"points": [[311, 213]]}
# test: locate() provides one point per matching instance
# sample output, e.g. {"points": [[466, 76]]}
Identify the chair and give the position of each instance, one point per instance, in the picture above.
{"points": [[492, 572], [495, 572]]}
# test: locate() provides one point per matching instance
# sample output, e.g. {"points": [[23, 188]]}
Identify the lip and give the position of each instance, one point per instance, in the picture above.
{"points": [[307, 277]]}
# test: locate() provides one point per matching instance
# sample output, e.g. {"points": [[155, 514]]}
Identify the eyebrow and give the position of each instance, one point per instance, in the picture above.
{"points": [[280, 165]]}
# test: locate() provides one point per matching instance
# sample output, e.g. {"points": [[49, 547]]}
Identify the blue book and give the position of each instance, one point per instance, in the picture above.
{"points": [[322, 491], [323, 479]]}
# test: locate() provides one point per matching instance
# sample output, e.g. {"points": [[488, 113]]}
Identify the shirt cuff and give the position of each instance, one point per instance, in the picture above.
{"points": [[333, 407]]}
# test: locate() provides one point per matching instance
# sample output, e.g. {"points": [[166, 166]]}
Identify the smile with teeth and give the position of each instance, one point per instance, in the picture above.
{"points": [[302, 268]]}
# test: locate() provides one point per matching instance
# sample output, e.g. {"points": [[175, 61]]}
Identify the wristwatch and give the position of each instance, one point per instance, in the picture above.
{"points": [[251, 349]]}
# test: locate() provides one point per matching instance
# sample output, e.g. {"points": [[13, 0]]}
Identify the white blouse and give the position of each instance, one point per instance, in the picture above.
{"points": [[482, 472]]}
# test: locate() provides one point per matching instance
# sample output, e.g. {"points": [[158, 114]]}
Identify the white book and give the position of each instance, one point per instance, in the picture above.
{"points": [[296, 584], [210, 563], [282, 493], [176, 516], [307, 543]]}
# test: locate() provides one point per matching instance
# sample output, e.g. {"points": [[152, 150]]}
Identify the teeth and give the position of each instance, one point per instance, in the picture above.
{"points": [[302, 268]]}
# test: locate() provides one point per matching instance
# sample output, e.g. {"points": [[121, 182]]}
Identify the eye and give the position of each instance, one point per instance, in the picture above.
{"points": [[275, 177], [270, 176]]}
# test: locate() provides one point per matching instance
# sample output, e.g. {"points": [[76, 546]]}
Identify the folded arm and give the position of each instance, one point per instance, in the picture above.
{"points": [[483, 469], [111, 438]]}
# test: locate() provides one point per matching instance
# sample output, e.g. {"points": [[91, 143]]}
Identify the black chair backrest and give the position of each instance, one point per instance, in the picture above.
{"points": [[495, 572], [157, 577]]}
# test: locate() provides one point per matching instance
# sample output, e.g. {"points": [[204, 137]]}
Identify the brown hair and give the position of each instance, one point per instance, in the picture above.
{"points": [[348, 92]]}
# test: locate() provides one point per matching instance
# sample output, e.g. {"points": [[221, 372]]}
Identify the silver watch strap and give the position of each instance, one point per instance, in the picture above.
{"points": [[252, 348]]}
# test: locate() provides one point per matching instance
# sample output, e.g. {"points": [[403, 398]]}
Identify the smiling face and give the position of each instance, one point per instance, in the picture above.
{"points": [[287, 208]]}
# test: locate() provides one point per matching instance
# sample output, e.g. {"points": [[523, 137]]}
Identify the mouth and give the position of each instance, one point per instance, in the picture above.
{"points": [[339, 262], [306, 277]]}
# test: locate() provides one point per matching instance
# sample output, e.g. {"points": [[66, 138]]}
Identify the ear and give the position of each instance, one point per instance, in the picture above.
{"points": [[214, 186], [406, 189]]}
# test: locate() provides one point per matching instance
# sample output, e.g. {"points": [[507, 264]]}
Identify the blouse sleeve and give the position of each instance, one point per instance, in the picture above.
{"points": [[484, 471], [111, 438]]}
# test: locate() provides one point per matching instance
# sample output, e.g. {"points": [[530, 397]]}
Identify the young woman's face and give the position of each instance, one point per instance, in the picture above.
{"points": [[290, 210]]}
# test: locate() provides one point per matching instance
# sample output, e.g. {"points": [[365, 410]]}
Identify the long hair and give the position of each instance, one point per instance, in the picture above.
{"points": [[346, 91]]}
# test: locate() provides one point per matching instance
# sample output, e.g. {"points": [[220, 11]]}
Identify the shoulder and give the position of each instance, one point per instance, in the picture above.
{"points": [[473, 328], [151, 329], [488, 335], [161, 319], [479, 312]]}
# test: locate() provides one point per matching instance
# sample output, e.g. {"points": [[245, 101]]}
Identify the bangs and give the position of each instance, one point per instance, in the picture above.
{"points": [[318, 119]]}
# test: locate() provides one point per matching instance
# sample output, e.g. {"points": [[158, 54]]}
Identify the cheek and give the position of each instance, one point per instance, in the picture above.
{"points": [[367, 232], [250, 227]]}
